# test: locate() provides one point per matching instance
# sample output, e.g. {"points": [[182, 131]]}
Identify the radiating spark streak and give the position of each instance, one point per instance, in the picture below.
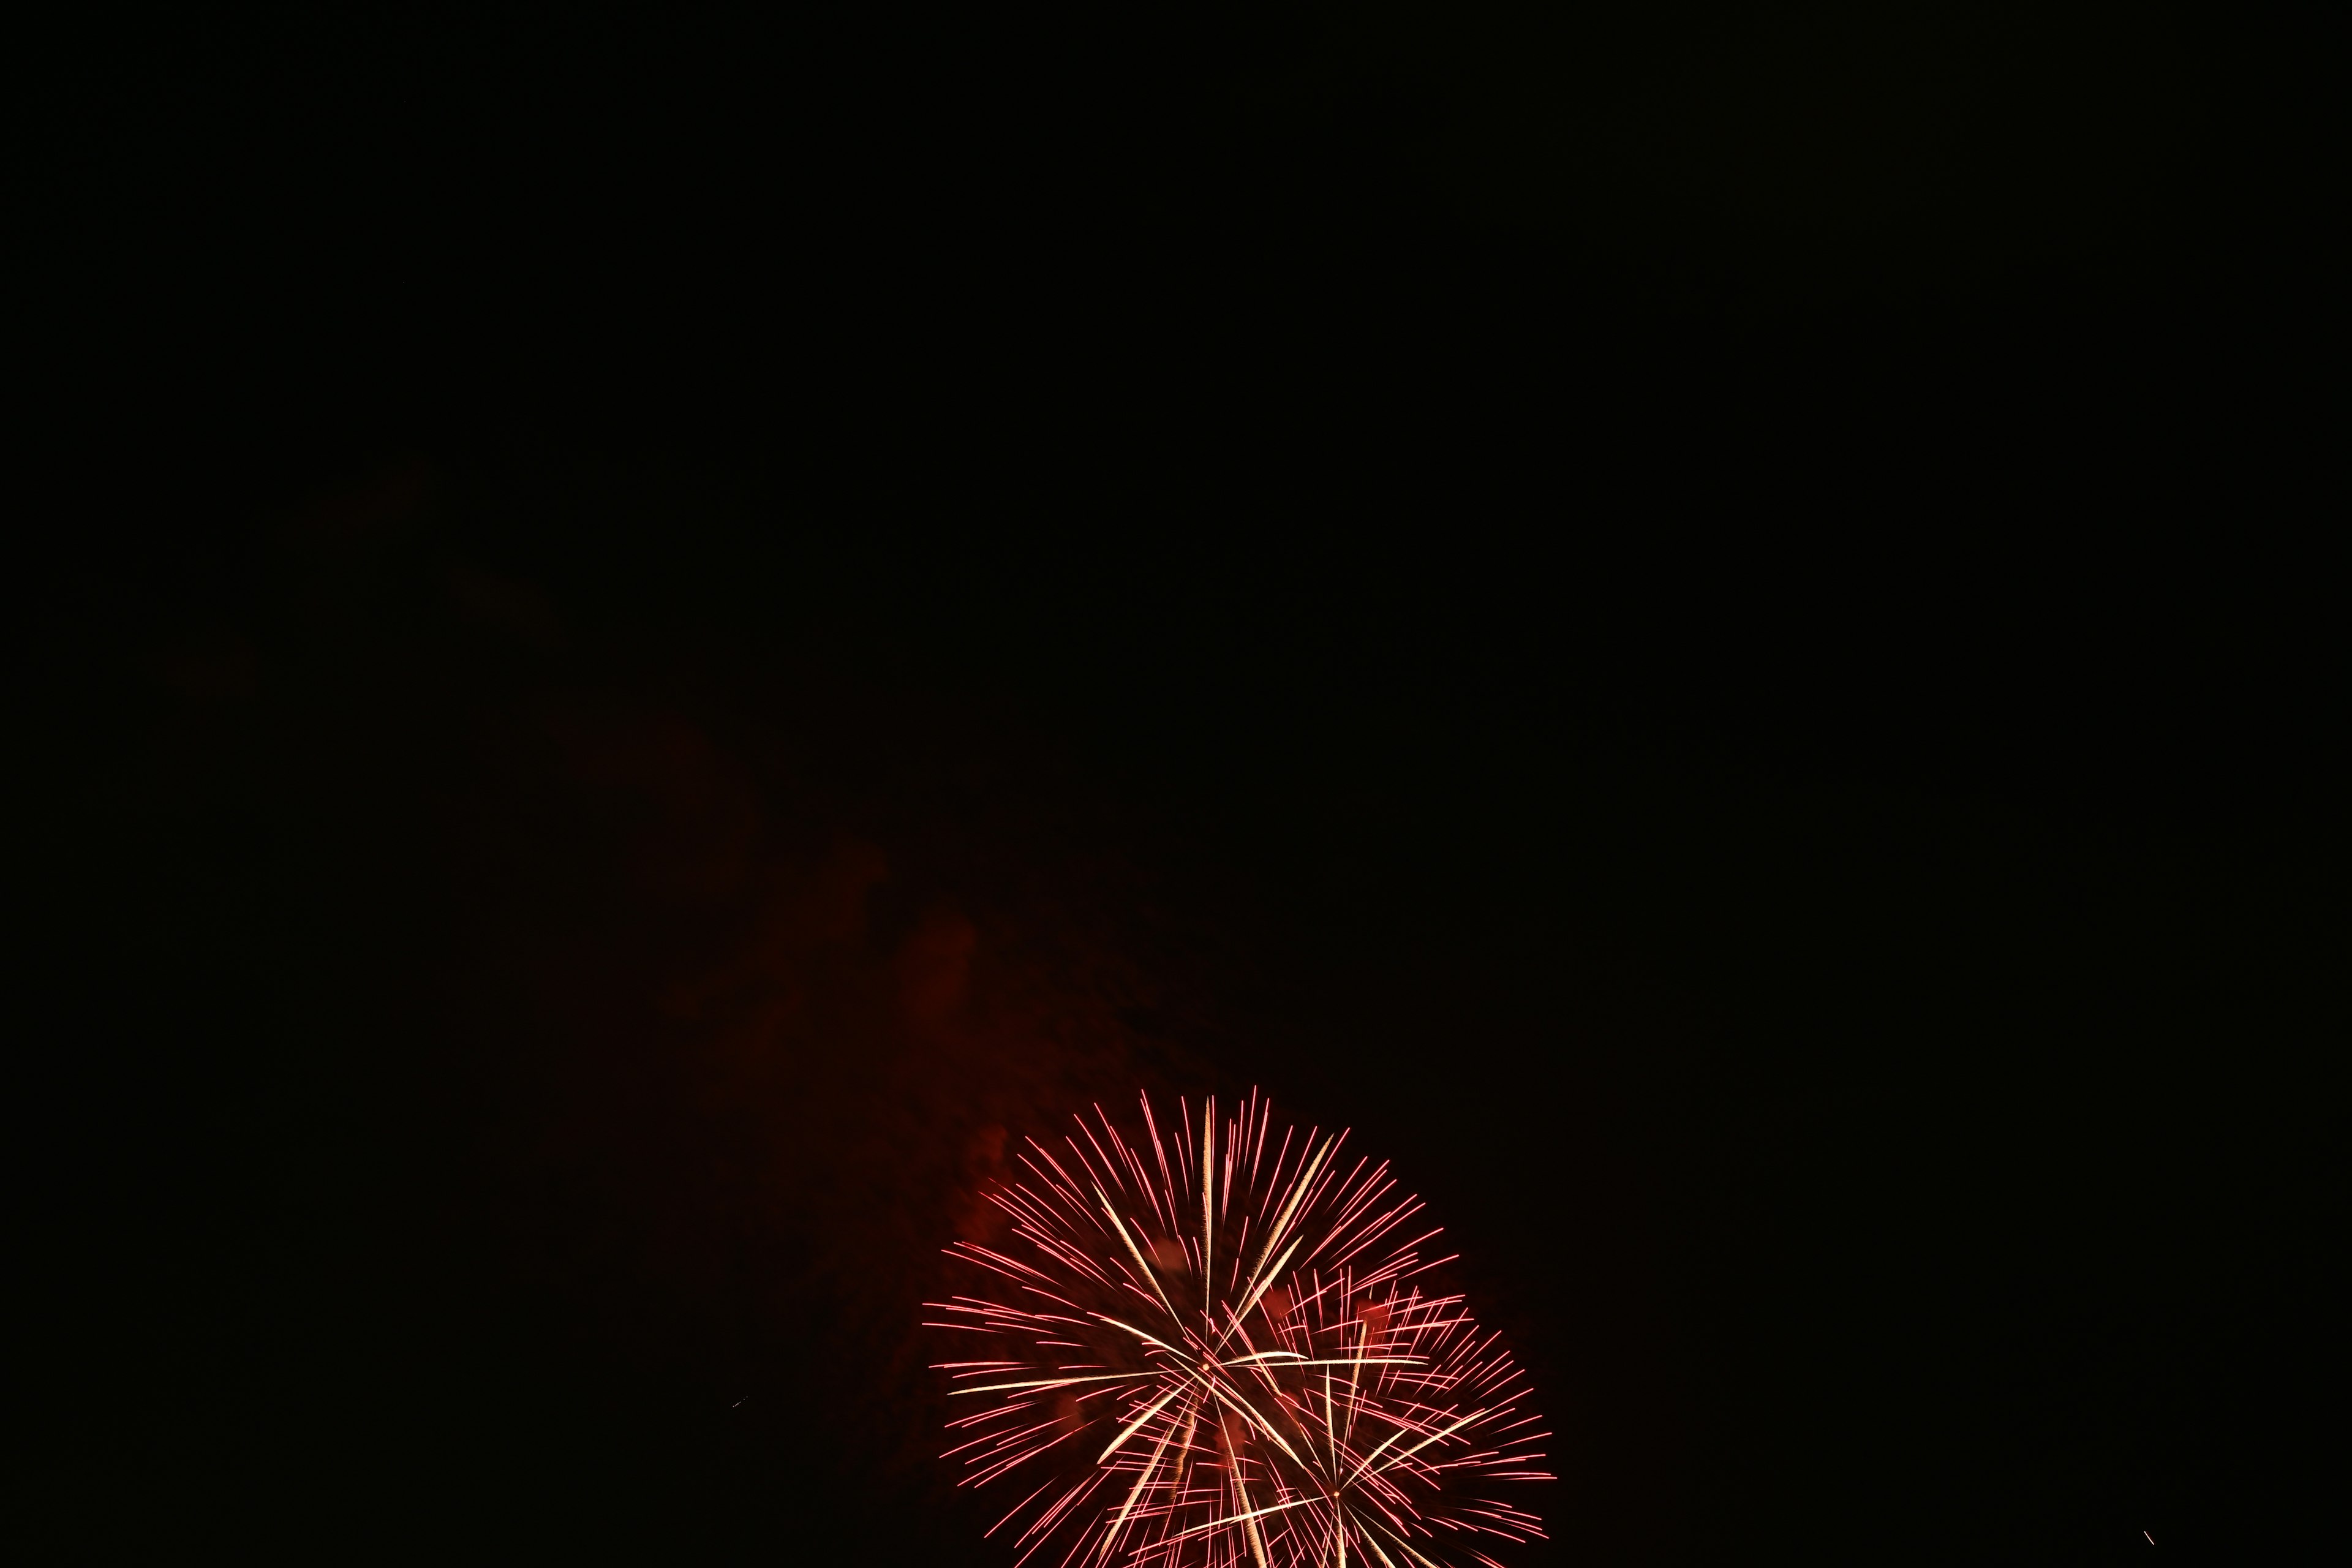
{"points": [[1137, 1253], [1151, 1125], [1238, 1518], [1053, 1383], [1047, 1155], [1096, 1272], [1110, 1537], [1236, 1156], [1139, 1333], [1043, 1528], [1042, 1525], [1434, 1437], [1408, 1547], [1377, 1552], [1208, 1167], [1117, 1175], [1017, 1460], [1267, 1283], [1248, 1518], [1273, 1177], [1130, 1430], [1382, 1228], [1024, 1503], [1248, 1413], [1297, 1193]]}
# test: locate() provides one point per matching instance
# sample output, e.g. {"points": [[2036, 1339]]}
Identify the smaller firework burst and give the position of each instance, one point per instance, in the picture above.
{"points": [[1207, 1345]]}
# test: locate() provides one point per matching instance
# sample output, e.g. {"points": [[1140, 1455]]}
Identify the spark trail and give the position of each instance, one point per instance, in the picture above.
{"points": [[1218, 1347]]}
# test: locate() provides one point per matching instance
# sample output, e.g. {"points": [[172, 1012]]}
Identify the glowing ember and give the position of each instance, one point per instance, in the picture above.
{"points": [[1200, 1348]]}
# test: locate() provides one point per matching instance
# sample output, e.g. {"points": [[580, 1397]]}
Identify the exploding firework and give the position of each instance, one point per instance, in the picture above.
{"points": [[1205, 1345]]}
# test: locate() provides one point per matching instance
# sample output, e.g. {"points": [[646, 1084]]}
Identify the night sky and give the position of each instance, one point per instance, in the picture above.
{"points": [[633, 641]]}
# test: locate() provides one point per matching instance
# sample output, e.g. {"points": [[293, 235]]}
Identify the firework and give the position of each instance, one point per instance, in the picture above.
{"points": [[1218, 1344]]}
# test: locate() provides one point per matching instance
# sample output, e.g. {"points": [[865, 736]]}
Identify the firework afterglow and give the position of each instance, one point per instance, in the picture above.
{"points": [[1200, 1344]]}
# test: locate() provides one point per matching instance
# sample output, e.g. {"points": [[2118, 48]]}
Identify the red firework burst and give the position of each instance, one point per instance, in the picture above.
{"points": [[1221, 1355]]}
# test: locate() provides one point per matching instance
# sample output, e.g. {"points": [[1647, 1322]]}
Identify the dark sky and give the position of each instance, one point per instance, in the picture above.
{"points": [[1722, 633]]}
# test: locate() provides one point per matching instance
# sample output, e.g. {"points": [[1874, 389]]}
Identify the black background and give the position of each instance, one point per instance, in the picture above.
{"points": [[1723, 633]]}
